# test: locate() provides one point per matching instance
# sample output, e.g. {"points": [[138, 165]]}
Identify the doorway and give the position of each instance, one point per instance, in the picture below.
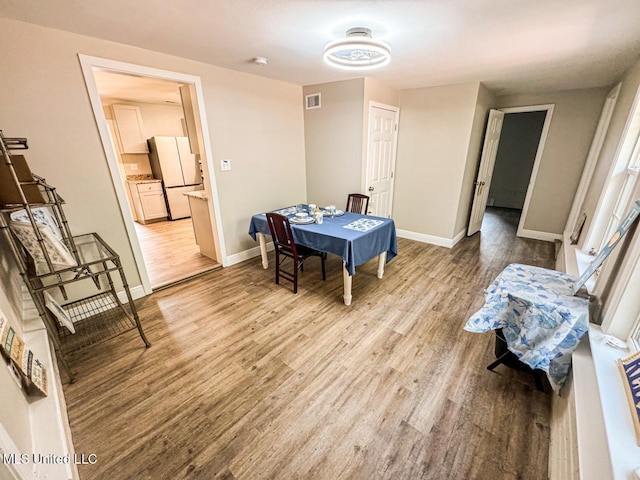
{"points": [[511, 155], [163, 235], [381, 158]]}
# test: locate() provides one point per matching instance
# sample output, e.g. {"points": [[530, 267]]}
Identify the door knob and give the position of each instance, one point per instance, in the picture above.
{"points": [[371, 189]]}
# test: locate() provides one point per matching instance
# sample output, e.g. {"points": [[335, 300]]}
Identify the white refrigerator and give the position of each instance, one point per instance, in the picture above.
{"points": [[173, 163]]}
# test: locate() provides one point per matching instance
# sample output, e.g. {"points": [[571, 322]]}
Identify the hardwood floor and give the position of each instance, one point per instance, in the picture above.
{"points": [[170, 252], [246, 380]]}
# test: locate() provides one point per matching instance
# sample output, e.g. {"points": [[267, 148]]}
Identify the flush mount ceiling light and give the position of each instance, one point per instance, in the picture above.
{"points": [[358, 51]]}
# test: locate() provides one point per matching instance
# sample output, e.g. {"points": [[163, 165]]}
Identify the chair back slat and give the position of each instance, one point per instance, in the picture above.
{"points": [[357, 203], [281, 233]]}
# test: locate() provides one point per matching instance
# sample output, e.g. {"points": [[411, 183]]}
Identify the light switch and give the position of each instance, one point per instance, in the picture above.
{"points": [[225, 164]]}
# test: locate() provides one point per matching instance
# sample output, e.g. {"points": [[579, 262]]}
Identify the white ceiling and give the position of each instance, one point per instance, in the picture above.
{"points": [[513, 46], [114, 87]]}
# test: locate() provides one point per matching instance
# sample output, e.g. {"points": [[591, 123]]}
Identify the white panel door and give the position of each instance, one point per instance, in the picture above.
{"points": [[485, 172], [381, 156], [190, 167]]}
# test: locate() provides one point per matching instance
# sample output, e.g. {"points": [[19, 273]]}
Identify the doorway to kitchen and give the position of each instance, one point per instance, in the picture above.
{"points": [[157, 152]]}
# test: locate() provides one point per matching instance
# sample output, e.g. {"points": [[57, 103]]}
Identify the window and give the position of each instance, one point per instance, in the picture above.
{"points": [[621, 314], [624, 200], [616, 195]]}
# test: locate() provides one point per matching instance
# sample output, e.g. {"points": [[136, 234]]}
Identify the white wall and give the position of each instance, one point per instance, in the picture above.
{"points": [[29, 423], [255, 122], [333, 141], [14, 407], [436, 126], [574, 121]]}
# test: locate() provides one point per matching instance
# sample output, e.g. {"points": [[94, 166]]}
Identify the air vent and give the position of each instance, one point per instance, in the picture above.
{"points": [[313, 101]]}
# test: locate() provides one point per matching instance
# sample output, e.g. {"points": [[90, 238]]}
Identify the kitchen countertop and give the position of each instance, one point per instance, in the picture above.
{"points": [[147, 180], [199, 194]]}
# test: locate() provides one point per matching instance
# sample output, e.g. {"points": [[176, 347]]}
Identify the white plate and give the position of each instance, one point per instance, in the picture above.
{"points": [[302, 214], [302, 220], [337, 214]]}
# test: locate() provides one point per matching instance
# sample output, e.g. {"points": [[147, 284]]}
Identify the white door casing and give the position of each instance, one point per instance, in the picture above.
{"points": [[477, 210], [88, 63], [485, 171], [381, 158]]}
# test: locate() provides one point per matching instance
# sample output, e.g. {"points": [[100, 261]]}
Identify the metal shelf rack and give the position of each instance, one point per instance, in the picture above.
{"points": [[96, 317]]}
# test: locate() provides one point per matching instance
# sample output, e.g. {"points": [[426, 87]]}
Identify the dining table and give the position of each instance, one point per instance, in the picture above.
{"points": [[354, 237]]}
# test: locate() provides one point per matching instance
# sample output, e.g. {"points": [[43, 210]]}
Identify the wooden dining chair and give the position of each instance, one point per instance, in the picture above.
{"points": [[286, 247], [357, 203]]}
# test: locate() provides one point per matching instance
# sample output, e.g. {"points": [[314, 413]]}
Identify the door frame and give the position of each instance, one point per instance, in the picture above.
{"points": [[88, 63], [521, 232], [365, 169]]}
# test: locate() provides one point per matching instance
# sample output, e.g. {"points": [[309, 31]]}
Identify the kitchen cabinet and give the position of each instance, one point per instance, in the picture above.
{"points": [[130, 131], [148, 201]]}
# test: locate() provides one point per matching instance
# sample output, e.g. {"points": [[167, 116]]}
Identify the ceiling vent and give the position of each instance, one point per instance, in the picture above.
{"points": [[312, 101]]}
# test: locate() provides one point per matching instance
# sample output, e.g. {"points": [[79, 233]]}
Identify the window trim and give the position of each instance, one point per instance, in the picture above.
{"points": [[626, 156]]}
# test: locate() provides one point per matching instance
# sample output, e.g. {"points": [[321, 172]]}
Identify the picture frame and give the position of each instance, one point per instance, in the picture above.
{"points": [[59, 312], [42, 216], [58, 252], [630, 371]]}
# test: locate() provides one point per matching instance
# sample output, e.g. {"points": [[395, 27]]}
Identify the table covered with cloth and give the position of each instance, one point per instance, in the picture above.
{"points": [[541, 321], [354, 237]]}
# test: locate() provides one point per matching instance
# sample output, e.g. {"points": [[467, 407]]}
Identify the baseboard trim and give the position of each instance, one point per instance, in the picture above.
{"points": [[536, 235], [461, 234], [431, 239], [136, 293], [246, 255]]}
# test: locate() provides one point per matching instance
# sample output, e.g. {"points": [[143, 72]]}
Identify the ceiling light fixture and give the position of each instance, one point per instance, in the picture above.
{"points": [[358, 51]]}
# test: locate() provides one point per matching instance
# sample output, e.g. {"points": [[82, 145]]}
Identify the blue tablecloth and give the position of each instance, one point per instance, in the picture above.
{"points": [[541, 321], [354, 246]]}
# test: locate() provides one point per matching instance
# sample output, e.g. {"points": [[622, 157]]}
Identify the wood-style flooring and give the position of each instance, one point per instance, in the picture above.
{"points": [[170, 252], [246, 380]]}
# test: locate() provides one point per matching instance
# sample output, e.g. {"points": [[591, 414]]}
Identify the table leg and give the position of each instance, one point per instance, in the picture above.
{"points": [[263, 250], [382, 259], [347, 284]]}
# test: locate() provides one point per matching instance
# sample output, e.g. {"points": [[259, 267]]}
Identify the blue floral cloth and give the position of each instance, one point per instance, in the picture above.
{"points": [[541, 321]]}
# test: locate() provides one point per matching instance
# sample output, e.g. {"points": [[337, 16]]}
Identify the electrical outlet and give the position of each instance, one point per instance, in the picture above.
{"points": [[225, 164]]}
